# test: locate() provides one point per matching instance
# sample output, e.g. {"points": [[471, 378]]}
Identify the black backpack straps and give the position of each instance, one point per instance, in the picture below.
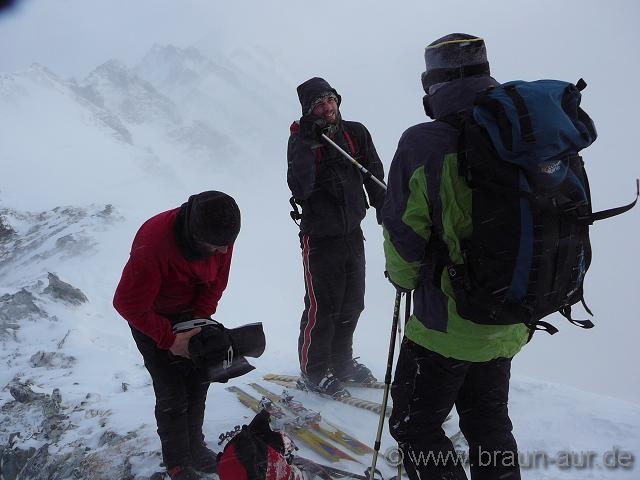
{"points": [[438, 252], [458, 121], [612, 212], [566, 313], [526, 128], [350, 142], [542, 326], [586, 307], [295, 211]]}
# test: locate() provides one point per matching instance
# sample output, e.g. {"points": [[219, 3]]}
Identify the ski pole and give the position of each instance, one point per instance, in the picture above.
{"points": [[407, 315], [387, 383], [364, 171]]}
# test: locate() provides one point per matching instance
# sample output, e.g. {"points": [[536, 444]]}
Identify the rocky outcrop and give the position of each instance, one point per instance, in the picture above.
{"points": [[17, 307], [63, 291], [111, 459]]}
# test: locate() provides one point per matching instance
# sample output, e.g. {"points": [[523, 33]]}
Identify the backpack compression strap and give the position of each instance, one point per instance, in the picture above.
{"points": [[526, 128], [612, 212]]}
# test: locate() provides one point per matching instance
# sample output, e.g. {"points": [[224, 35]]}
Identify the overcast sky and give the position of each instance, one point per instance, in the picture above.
{"points": [[72, 35], [364, 47], [372, 53]]}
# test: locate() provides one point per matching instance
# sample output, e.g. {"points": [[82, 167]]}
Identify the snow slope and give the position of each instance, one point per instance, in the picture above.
{"points": [[84, 163]]}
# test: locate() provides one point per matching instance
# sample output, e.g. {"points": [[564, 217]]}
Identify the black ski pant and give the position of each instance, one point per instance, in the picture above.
{"points": [[425, 389], [181, 393], [334, 270]]}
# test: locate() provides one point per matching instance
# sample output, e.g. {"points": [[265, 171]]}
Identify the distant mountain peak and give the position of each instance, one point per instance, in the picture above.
{"points": [[172, 52], [116, 73], [40, 74], [115, 86], [170, 67], [38, 68]]}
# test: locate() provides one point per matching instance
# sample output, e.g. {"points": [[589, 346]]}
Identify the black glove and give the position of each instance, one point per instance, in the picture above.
{"points": [[312, 127], [395, 285]]}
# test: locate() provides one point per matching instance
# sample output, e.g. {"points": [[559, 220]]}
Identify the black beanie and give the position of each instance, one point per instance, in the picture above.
{"points": [[314, 89], [213, 217], [454, 56]]}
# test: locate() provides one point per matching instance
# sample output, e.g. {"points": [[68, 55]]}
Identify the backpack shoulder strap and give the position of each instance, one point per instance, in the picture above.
{"points": [[352, 145], [438, 252]]}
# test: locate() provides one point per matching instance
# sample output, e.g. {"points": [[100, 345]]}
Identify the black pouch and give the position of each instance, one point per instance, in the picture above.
{"points": [[220, 352]]}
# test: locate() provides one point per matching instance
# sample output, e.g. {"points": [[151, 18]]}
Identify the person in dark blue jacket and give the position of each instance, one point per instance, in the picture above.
{"points": [[445, 360], [330, 191]]}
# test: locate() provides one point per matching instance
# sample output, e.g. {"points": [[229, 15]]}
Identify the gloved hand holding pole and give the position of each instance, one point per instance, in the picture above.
{"points": [[363, 170]]}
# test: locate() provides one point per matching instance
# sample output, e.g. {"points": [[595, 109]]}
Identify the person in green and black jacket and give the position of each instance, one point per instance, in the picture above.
{"points": [[445, 360], [330, 190]]}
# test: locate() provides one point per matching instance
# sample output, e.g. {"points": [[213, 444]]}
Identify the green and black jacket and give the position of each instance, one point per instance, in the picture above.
{"points": [[428, 204]]}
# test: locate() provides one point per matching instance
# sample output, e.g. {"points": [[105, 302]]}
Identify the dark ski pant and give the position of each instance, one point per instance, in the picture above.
{"points": [[181, 394], [334, 270], [425, 389]]}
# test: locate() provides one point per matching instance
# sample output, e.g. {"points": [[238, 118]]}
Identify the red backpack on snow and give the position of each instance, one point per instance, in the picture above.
{"points": [[257, 453]]}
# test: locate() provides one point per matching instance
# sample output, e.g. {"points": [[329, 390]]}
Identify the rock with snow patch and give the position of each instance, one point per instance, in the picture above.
{"points": [[51, 360], [6, 230], [22, 393], [12, 460], [37, 466], [64, 291], [18, 306]]}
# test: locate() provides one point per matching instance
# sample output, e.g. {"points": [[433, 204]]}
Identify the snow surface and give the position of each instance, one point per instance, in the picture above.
{"points": [[84, 163]]}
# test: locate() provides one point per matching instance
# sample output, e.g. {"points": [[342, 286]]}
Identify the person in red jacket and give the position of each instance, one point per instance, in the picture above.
{"points": [[177, 270]]}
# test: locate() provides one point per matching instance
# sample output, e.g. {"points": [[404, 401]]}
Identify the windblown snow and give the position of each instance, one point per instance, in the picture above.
{"points": [[84, 164]]}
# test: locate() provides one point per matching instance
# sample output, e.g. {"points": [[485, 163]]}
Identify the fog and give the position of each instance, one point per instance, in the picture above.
{"points": [[371, 52]]}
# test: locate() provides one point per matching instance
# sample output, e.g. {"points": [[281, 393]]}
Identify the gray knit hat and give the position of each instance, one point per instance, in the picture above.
{"points": [[457, 55]]}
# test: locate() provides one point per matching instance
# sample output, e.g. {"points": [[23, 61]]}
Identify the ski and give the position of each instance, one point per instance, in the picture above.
{"points": [[292, 381], [291, 424], [284, 380], [165, 476], [314, 420], [326, 472], [348, 383]]}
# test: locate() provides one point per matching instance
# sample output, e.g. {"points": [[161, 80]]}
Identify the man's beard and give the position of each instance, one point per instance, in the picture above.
{"points": [[332, 128]]}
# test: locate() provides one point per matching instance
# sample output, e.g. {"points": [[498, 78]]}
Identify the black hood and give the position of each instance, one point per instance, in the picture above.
{"points": [[313, 88], [456, 95], [212, 217]]}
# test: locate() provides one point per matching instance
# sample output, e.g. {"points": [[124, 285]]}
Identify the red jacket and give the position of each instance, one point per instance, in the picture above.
{"points": [[158, 281]]}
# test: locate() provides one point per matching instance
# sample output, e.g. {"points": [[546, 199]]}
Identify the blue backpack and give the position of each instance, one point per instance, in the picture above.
{"points": [[531, 206]]}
